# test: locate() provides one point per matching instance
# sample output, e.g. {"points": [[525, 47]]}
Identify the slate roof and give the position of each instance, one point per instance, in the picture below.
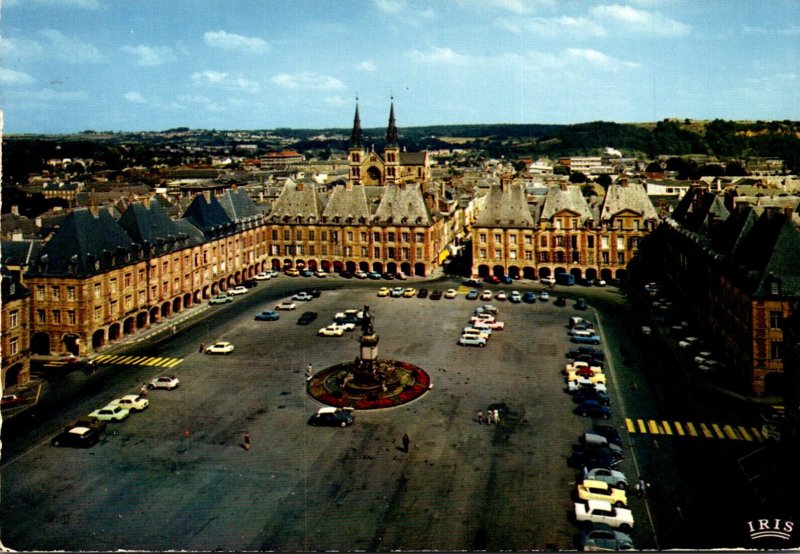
{"points": [[82, 239], [506, 207], [347, 202], [294, 201], [413, 158], [632, 197], [208, 216], [559, 200], [12, 289], [238, 204], [145, 224], [19, 252], [11, 223], [403, 202]]}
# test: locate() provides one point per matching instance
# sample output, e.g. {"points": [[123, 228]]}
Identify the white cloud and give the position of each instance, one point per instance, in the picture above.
{"points": [[366, 65], [642, 21], [390, 6], [552, 26], [518, 7], [47, 95], [11, 77], [223, 80], [598, 59], [148, 56], [69, 49], [200, 100], [438, 55], [133, 96], [308, 80], [793, 31], [80, 4], [19, 48], [335, 101], [232, 41]]}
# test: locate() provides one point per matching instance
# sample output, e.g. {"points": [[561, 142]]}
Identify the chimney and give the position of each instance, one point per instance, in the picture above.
{"points": [[146, 202], [623, 181], [564, 186], [207, 194], [299, 186], [15, 210], [94, 209]]}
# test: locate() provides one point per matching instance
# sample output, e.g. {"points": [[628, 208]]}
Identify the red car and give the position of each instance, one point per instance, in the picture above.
{"points": [[493, 279], [11, 400]]}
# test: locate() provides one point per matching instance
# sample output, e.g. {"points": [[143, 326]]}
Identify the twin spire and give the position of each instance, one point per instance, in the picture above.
{"points": [[357, 136]]}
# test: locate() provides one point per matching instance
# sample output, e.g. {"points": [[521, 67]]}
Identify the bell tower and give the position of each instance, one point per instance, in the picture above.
{"points": [[391, 153], [356, 152]]}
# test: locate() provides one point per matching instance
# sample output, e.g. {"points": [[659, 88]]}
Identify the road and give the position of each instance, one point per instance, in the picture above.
{"points": [[177, 477]]}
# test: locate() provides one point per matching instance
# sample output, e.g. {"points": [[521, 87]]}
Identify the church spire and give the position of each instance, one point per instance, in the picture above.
{"points": [[357, 134], [391, 131]]}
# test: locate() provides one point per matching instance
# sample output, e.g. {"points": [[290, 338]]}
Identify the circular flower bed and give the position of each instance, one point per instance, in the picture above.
{"points": [[411, 382]]}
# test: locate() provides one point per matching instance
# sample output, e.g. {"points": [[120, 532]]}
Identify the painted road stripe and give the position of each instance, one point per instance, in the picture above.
{"points": [[706, 432], [113, 359], [124, 360], [692, 430], [642, 428], [164, 362], [653, 427], [666, 427], [730, 433], [757, 434], [102, 357], [745, 435], [174, 363], [629, 425], [679, 428], [718, 431], [140, 360]]}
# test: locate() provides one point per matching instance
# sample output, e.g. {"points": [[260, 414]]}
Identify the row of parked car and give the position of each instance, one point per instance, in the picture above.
{"points": [[480, 327], [86, 430], [343, 322]]}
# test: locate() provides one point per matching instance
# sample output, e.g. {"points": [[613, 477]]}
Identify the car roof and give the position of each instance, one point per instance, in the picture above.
{"points": [[79, 430], [327, 410], [594, 483], [599, 504]]}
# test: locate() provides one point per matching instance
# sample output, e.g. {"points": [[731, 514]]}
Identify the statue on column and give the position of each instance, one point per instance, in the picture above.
{"points": [[367, 322]]}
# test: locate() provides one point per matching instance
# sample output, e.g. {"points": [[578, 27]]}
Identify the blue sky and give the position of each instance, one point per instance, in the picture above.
{"points": [[70, 65]]}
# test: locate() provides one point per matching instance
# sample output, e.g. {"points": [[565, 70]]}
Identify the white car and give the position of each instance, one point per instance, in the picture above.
{"points": [[168, 382], [483, 333], [501, 296], [486, 295], [486, 309], [286, 305], [346, 326], [274, 273], [515, 297], [332, 330], [221, 347], [600, 511], [451, 293], [263, 276], [321, 273], [548, 280], [544, 296], [110, 413], [471, 340], [237, 290], [359, 314], [360, 274], [688, 342], [132, 402], [302, 297]]}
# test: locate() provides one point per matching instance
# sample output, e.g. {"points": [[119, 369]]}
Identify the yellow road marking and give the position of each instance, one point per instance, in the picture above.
{"points": [[679, 428], [125, 360], [706, 433], [692, 430], [745, 435], [717, 430], [140, 360], [629, 425], [653, 427], [642, 428], [667, 428], [173, 364], [102, 357], [757, 434], [730, 433]]}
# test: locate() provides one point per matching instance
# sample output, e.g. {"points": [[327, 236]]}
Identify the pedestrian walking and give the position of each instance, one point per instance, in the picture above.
{"points": [[496, 414], [309, 372], [143, 390], [406, 442], [480, 417], [489, 417], [202, 347], [246, 444]]}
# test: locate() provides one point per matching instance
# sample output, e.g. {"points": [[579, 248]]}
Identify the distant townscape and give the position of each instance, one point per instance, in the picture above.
{"points": [[105, 234]]}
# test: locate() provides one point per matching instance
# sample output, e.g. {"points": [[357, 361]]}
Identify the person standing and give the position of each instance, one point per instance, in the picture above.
{"points": [[480, 417], [309, 372], [496, 415], [202, 347], [489, 417], [406, 442], [246, 444]]}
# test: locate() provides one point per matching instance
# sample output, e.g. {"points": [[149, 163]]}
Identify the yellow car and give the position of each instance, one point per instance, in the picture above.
{"points": [[600, 490], [384, 291], [596, 378], [292, 272], [410, 292]]}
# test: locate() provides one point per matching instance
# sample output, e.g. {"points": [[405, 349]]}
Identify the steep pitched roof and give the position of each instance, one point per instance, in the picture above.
{"points": [[80, 241], [146, 224], [627, 197], [505, 207], [19, 252], [207, 215], [559, 200], [347, 202], [238, 204], [298, 200], [399, 202], [413, 158]]}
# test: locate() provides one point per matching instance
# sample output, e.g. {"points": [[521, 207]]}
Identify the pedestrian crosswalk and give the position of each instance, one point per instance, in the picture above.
{"points": [[56, 363], [694, 430], [108, 359]]}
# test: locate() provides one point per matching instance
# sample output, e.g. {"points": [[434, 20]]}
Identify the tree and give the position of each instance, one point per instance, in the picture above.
{"points": [[735, 169], [653, 167], [559, 169], [604, 181], [578, 177]]}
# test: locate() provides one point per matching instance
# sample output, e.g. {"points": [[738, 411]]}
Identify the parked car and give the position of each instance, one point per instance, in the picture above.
{"points": [[580, 304], [592, 408], [471, 340], [360, 274], [423, 293], [500, 296], [481, 332], [80, 437], [346, 274], [388, 276], [110, 413], [600, 511], [330, 416], [475, 283], [237, 290], [400, 276], [506, 279], [87, 421], [250, 283], [451, 293], [306, 273], [602, 538], [594, 458], [590, 339], [321, 273], [384, 291], [131, 402], [221, 347], [168, 382], [486, 295], [292, 272], [410, 292], [397, 292], [594, 352], [529, 297], [585, 326], [306, 318], [263, 276], [269, 315], [610, 433], [611, 476], [352, 313], [593, 440], [548, 281], [492, 279], [515, 297], [436, 294], [472, 294], [544, 296], [374, 275], [13, 400], [273, 273], [600, 490], [286, 305], [332, 330], [302, 297], [220, 299], [486, 309], [689, 342], [560, 302], [591, 394]]}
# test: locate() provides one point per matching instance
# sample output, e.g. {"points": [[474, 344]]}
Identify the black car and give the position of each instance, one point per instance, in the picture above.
{"points": [[81, 437], [306, 318], [250, 283], [475, 283], [590, 393], [388, 276], [593, 408], [610, 433], [313, 292], [422, 293], [346, 275], [87, 421], [529, 297], [560, 301], [580, 304], [593, 457], [436, 294], [336, 417], [596, 353]]}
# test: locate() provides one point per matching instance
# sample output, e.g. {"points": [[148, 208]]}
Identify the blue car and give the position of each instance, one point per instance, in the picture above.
{"points": [[593, 408], [590, 339], [506, 280], [529, 297], [374, 275], [269, 315], [472, 295]]}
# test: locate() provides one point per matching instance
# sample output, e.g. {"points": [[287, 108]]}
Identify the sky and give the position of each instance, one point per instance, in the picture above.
{"points": [[150, 65]]}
